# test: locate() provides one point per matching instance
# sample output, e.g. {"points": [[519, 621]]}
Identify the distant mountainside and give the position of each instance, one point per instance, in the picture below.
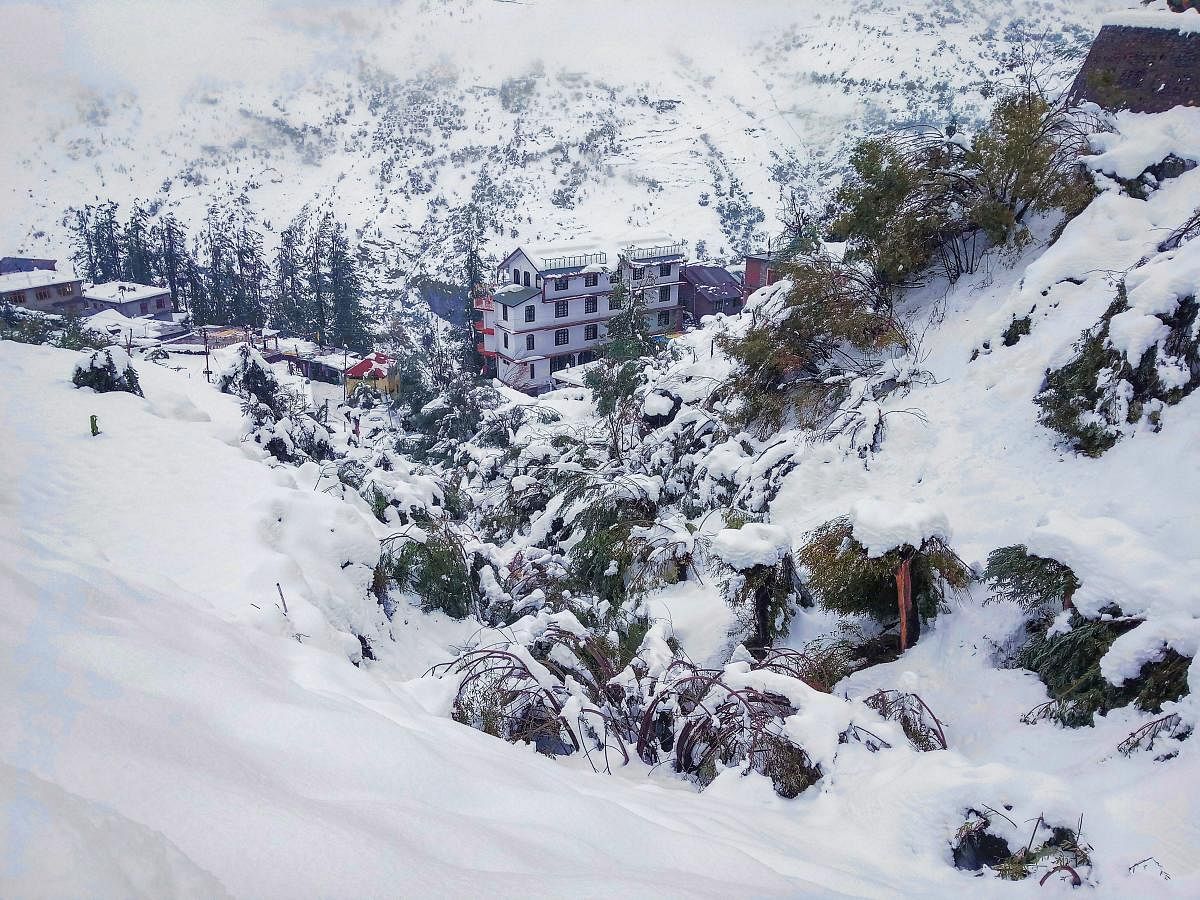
{"points": [[688, 118]]}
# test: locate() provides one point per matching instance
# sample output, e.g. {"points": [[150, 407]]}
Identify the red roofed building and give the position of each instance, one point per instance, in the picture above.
{"points": [[373, 370]]}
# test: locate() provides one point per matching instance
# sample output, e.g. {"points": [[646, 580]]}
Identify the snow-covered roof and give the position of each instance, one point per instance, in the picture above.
{"points": [[567, 256], [122, 291], [375, 365], [645, 247], [575, 374], [23, 281], [1187, 22]]}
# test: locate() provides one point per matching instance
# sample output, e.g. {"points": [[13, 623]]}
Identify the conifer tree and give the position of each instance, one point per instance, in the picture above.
{"points": [[350, 325], [139, 261], [291, 295], [172, 247]]}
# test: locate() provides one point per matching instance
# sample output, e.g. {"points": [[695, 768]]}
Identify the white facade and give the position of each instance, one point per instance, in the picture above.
{"points": [[550, 307]]}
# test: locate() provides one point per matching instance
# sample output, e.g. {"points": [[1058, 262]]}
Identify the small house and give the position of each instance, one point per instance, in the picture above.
{"points": [[762, 269], [375, 371], [38, 285], [130, 299], [708, 290]]}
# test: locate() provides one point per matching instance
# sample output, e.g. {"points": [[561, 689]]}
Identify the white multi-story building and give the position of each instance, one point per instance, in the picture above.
{"points": [[549, 308]]}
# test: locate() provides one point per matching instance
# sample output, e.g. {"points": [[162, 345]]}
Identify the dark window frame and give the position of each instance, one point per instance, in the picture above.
{"points": [[664, 270], [530, 313], [562, 337], [591, 332], [562, 309], [590, 305], [591, 279], [562, 284]]}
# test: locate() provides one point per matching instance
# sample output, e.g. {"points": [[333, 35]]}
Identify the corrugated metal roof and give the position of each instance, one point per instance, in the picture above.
{"points": [[512, 297], [713, 280]]}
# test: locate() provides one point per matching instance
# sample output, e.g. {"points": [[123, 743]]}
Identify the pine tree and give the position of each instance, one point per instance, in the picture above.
{"points": [[83, 248], [195, 293], [470, 246], [291, 302], [249, 274], [221, 274], [140, 262], [318, 279], [350, 325], [172, 247], [106, 243]]}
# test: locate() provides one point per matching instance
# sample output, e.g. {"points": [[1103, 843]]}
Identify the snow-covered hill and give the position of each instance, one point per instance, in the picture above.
{"points": [[169, 727], [556, 118]]}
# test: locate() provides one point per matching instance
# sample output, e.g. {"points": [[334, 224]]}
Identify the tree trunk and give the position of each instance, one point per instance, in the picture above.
{"points": [[909, 626]]}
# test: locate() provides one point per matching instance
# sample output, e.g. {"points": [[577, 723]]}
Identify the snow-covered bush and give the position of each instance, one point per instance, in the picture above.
{"points": [[1035, 582], [107, 369], [762, 586], [276, 419], [1069, 662], [850, 579], [248, 375], [1142, 355], [29, 326], [828, 320], [431, 562]]}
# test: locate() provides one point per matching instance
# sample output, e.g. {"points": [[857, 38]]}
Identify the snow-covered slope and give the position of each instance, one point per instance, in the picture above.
{"points": [[160, 736], [557, 118]]}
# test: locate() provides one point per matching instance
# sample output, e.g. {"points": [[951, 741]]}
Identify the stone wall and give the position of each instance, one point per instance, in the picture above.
{"points": [[1141, 69]]}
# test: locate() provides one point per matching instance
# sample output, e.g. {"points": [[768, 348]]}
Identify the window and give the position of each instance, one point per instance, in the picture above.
{"points": [[159, 303], [639, 272], [591, 279], [530, 312], [558, 363], [562, 336], [664, 318], [505, 333], [529, 342], [590, 332], [144, 307], [516, 276], [532, 371], [561, 309], [589, 305], [43, 295], [664, 293], [18, 297], [525, 280], [614, 303], [66, 290], [504, 313], [664, 270], [561, 284]]}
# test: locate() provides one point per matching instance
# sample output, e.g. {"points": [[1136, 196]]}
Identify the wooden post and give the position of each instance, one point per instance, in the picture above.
{"points": [[904, 599]]}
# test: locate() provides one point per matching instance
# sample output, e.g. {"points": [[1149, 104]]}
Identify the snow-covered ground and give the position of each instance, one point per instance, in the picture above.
{"points": [[167, 729]]}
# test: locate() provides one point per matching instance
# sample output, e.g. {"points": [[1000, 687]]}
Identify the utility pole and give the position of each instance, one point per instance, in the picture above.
{"points": [[207, 368]]}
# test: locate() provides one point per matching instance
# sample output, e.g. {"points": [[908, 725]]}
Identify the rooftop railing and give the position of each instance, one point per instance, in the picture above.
{"points": [[570, 262], [655, 252]]}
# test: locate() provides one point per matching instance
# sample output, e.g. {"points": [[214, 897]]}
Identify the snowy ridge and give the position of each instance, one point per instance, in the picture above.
{"points": [[695, 129]]}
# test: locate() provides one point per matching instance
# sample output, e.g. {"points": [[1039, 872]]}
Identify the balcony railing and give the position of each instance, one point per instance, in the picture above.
{"points": [[484, 303], [655, 252], [571, 262]]}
